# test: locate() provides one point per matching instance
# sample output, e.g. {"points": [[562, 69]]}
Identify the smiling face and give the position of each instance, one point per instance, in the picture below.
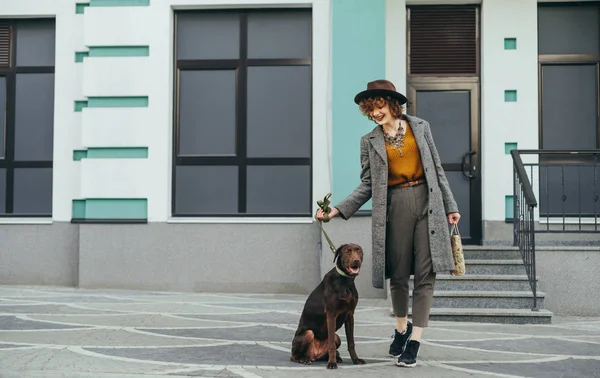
{"points": [[382, 116], [349, 258], [381, 110]]}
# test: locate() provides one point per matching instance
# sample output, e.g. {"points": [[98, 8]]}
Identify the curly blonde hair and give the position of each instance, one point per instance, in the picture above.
{"points": [[367, 105]]}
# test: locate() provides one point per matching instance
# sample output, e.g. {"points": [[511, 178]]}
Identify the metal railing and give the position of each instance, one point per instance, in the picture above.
{"points": [[568, 185]]}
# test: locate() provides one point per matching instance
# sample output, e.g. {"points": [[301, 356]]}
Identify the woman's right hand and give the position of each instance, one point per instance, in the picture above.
{"points": [[332, 213]]}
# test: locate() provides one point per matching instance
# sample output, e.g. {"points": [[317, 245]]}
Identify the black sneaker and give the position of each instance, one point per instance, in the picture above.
{"points": [[409, 356], [400, 339]]}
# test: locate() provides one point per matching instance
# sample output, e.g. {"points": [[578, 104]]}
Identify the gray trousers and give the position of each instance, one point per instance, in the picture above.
{"points": [[407, 251]]}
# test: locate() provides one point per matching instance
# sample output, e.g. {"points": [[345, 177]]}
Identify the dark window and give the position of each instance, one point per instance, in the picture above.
{"points": [[568, 29], [443, 40], [569, 56], [243, 114], [26, 116]]}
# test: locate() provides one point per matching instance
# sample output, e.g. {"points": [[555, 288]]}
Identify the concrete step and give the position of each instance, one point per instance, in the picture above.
{"points": [[489, 266], [491, 252], [486, 299], [481, 282], [486, 315]]}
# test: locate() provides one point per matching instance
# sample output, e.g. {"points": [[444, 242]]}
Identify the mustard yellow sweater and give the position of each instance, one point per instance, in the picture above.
{"points": [[405, 168]]}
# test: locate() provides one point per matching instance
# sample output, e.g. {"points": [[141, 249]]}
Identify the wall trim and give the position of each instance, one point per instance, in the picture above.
{"points": [[109, 209], [321, 84], [241, 220], [395, 43], [442, 2]]}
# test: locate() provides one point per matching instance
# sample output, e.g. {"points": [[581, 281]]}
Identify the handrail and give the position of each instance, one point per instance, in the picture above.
{"points": [[523, 222], [520, 168], [524, 198]]}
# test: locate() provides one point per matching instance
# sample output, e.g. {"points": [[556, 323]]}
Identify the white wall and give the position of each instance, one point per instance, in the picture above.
{"points": [[153, 76], [142, 76], [395, 43], [67, 79], [506, 70]]}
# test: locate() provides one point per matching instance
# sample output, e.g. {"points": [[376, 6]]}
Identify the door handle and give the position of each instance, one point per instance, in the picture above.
{"points": [[467, 171]]}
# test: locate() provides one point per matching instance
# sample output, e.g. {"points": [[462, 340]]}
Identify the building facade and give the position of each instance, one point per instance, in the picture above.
{"points": [[183, 144]]}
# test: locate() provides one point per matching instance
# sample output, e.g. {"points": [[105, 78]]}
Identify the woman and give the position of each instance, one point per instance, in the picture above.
{"points": [[412, 206]]}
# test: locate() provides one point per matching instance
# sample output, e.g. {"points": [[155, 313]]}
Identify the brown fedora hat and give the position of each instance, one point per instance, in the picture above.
{"points": [[381, 88]]}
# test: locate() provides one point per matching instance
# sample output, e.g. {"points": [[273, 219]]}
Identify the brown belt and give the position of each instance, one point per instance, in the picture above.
{"points": [[411, 183]]}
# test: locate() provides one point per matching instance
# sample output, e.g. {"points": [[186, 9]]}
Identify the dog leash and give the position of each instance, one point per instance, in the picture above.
{"points": [[324, 205]]}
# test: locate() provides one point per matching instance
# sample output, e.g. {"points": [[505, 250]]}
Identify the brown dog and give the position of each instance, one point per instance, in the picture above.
{"points": [[330, 305]]}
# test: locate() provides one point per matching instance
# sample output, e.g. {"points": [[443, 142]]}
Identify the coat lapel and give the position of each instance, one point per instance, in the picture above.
{"points": [[418, 132], [378, 142]]}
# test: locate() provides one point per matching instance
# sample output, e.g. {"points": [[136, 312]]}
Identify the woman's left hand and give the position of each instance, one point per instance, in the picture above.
{"points": [[453, 218]]}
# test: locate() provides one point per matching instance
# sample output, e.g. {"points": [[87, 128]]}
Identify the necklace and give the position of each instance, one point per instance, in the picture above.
{"points": [[396, 141]]}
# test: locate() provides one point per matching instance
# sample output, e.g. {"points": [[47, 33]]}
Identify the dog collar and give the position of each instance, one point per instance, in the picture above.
{"points": [[342, 273]]}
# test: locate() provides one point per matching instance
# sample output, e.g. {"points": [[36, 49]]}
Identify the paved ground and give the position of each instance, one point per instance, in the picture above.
{"points": [[61, 332]]}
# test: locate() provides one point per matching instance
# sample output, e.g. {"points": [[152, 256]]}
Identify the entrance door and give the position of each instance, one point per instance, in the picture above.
{"points": [[452, 109], [569, 95]]}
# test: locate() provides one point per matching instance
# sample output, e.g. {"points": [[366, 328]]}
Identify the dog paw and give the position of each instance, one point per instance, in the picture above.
{"points": [[303, 361], [359, 361], [332, 365]]}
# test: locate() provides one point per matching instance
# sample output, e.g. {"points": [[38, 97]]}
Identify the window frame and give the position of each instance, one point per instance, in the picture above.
{"points": [[239, 159], [565, 59], [8, 161]]}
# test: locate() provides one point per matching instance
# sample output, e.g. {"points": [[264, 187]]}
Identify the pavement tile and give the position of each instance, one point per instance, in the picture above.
{"points": [[533, 345], [50, 309], [522, 329], [568, 368], [6, 346], [148, 334], [77, 299], [266, 317], [165, 307], [283, 306], [68, 362], [234, 354], [133, 320], [221, 373], [14, 323], [252, 333], [96, 337]]}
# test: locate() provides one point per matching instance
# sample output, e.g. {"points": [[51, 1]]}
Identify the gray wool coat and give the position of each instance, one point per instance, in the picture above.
{"points": [[374, 176]]}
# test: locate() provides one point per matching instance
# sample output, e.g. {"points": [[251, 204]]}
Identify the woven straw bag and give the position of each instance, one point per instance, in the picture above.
{"points": [[457, 252]]}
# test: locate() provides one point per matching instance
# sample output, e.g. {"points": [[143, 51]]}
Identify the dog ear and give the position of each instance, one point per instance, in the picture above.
{"points": [[338, 252]]}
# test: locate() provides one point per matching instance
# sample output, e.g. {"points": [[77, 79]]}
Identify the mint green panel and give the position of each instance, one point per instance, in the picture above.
{"points": [[80, 55], [79, 154], [119, 51], [358, 48], [111, 153], [116, 208], [510, 43], [509, 207], [118, 102], [78, 209], [117, 153], [119, 3], [80, 8], [510, 96], [509, 147], [79, 105]]}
